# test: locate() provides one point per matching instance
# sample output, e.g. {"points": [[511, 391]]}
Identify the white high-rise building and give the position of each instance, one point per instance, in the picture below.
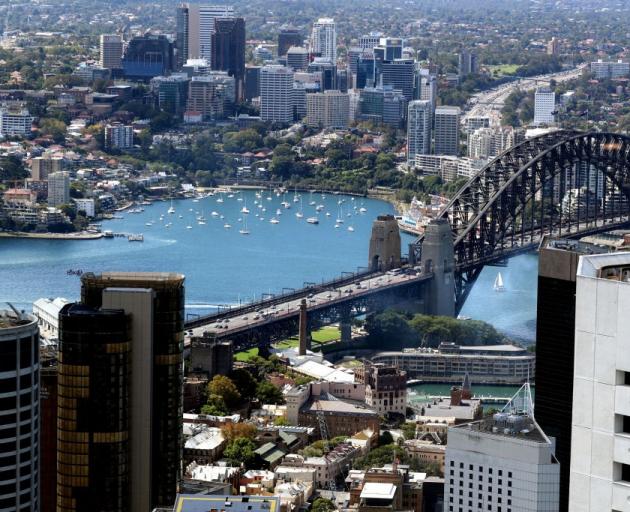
{"points": [[15, 122], [418, 130], [369, 41], [324, 39], [603, 70], [329, 109], [276, 94], [447, 130], [111, 51], [195, 25], [501, 463], [544, 106], [600, 433], [58, 188]]}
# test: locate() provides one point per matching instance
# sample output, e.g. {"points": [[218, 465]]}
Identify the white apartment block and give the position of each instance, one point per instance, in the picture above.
{"points": [[544, 106], [418, 129], [503, 463], [600, 443], [111, 51], [58, 188], [276, 94], [486, 143], [118, 136], [85, 205], [324, 39], [447, 130], [604, 70], [15, 122], [330, 109]]}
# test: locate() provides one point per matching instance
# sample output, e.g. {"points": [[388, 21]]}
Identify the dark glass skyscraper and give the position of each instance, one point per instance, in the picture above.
{"points": [[228, 50], [287, 38], [148, 56]]}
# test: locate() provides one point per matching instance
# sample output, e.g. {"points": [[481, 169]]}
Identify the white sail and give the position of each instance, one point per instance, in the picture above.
{"points": [[498, 283]]}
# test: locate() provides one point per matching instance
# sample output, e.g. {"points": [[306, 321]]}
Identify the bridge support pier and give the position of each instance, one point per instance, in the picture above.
{"points": [[438, 258], [345, 327], [305, 333]]}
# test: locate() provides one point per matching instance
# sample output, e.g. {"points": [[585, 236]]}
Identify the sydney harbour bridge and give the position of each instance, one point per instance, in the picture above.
{"points": [[564, 184]]}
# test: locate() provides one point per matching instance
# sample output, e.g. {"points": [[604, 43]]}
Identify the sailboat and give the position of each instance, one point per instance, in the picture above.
{"points": [[245, 209], [244, 230], [498, 283], [340, 215], [172, 208], [220, 198], [296, 197], [299, 214]]}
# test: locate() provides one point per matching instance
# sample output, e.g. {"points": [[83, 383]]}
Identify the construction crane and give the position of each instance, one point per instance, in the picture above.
{"points": [[323, 430]]}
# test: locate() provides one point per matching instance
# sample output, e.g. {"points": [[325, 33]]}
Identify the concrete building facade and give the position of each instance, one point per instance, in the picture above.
{"points": [[544, 106], [447, 130], [276, 94], [111, 46], [330, 109], [419, 116]]}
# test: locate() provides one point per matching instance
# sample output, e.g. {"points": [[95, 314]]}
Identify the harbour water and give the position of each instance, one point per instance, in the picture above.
{"points": [[223, 266]]}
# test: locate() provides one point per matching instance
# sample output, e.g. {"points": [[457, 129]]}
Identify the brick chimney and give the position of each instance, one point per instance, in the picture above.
{"points": [[456, 396]]}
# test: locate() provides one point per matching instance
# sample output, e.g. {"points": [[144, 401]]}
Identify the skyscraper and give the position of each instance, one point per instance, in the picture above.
{"points": [[19, 412], [287, 38], [467, 64], [418, 130], [228, 50], [329, 109], [369, 41], [58, 188], [544, 106], [324, 39], [600, 443], [120, 384], [252, 82], [297, 58], [111, 51], [148, 56], [399, 73], [276, 94], [447, 130], [195, 25]]}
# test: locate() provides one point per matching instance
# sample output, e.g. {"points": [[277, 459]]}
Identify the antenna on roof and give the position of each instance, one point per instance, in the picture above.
{"points": [[521, 402], [17, 313]]}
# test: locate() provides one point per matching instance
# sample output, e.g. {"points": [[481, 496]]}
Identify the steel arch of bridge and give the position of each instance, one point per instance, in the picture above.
{"points": [[489, 216]]}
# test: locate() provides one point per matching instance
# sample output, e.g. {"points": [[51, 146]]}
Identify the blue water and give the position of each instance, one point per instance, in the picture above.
{"points": [[224, 267]]}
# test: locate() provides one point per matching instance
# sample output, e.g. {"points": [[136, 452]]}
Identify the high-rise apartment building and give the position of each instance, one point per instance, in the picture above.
{"points": [[15, 122], [447, 130], [502, 462], [297, 58], [154, 339], [118, 136], [195, 25], [42, 166], [212, 95], [111, 51], [418, 130], [276, 94], [425, 85], [288, 38], [382, 105], [329, 109], [252, 82], [369, 41], [58, 188], [609, 70], [467, 63], [19, 412], [324, 39], [600, 434], [228, 50], [171, 92], [553, 46], [544, 106]]}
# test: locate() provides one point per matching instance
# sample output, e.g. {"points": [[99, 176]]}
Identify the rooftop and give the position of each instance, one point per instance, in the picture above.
{"points": [[338, 407], [196, 503], [379, 491], [612, 266], [517, 426]]}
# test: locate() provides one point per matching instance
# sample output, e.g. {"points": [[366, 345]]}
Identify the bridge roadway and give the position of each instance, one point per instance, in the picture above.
{"points": [[236, 324]]}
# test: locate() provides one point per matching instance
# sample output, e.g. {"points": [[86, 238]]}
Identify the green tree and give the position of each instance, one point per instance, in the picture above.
{"points": [[323, 505], [385, 438], [215, 406], [12, 168], [244, 382], [409, 430], [223, 387], [269, 393], [55, 128], [240, 451]]}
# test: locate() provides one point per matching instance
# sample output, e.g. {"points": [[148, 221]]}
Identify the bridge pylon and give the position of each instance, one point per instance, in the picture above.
{"points": [[438, 258], [384, 244]]}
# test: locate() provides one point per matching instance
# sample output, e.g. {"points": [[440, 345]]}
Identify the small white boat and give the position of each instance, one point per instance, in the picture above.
{"points": [[171, 209], [227, 226], [215, 214], [188, 227], [149, 224], [312, 220], [278, 211], [136, 238], [498, 283], [244, 210], [230, 196], [319, 207], [327, 214], [201, 222], [274, 221], [337, 226], [244, 230], [350, 228], [299, 215], [181, 216]]}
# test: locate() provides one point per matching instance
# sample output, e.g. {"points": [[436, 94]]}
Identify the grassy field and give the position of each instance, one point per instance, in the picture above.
{"points": [[326, 334], [246, 355], [503, 69]]}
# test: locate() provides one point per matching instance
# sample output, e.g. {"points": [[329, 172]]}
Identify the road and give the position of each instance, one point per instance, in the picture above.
{"points": [[240, 321], [490, 103]]}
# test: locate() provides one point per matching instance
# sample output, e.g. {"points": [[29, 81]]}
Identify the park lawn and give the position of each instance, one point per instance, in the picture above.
{"points": [[288, 343], [504, 69], [246, 355], [326, 334]]}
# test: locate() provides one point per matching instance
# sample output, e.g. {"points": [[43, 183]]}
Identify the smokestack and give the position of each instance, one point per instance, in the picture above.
{"points": [[456, 396], [303, 319]]}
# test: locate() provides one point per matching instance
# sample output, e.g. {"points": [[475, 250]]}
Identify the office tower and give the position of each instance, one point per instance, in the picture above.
{"points": [[418, 130], [467, 63], [369, 41], [330, 109], [382, 105], [42, 166], [555, 325], [553, 46], [544, 106], [111, 51], [447, 130], [212, 95], [502, 462], [388, 49], [171, 92], [600, 446], [228, 50], [252, 82], [58, 188], [195, 25], [324, 39], [48, 438], [609, 70], [19, 412], [365, 75], [297, 58], [276, 90], [328, 71], [148, 56], [344, 80], [154, 334], [288, 38], [118, 136], [399, 73], [425, 85]]}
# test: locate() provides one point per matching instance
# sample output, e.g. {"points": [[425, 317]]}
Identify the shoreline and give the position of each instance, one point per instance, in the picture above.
{"points": [[81, 235]]}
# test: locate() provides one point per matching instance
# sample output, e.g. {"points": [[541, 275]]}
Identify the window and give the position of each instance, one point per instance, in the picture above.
{"points": [[625, 472]]}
